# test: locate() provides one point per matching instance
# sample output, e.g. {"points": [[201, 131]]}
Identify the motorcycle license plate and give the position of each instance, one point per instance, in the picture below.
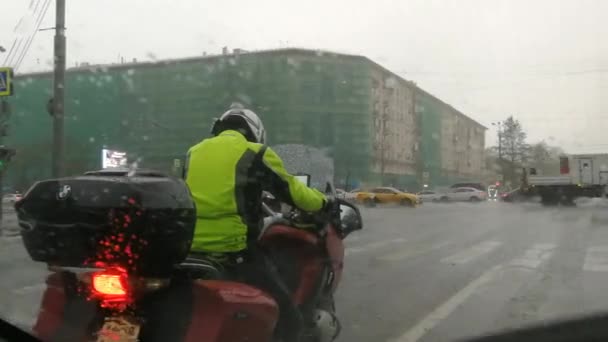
{"points": [[119, 329]]}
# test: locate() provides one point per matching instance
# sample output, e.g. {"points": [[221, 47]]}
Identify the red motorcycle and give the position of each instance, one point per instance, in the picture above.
{"points": [[117, 243]]}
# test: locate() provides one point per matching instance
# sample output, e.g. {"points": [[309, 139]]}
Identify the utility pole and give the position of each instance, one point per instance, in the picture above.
{"points": [[498, 125], [499, 130], [58, 156], [499, 144], [6, 89], [5, 113], [384, 118], [388, 93]]}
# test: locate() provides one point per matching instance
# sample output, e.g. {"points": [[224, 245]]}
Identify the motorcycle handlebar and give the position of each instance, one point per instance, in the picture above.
{"points": [[267, 209]]}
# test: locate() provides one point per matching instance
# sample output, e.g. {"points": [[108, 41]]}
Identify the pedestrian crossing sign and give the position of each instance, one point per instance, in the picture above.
{"points": [[6, 82]]}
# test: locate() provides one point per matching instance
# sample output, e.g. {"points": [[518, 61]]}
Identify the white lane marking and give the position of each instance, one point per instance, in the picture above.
{"points": [[596, 259], [10, 238], [534, 256], [472, 253], [414, 251], [445, 309], [373, 245], [29, 289]]}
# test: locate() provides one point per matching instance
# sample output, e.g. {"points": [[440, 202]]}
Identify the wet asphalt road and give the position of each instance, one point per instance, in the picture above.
{"points": [[446, 272], [434, 273]]}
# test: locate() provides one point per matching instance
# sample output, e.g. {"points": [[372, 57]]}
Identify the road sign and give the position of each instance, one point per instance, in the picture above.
{"points": [[6, 81], [177, 163]]}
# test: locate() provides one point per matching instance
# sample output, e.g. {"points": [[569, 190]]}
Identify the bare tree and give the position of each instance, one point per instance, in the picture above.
{"points": [[514, 148]]}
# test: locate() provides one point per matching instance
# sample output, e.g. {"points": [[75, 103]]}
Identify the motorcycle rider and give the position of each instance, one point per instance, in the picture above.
{"points": [[226, 175]]}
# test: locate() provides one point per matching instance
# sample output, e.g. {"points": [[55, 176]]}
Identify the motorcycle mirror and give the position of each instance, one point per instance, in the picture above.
{"points": [[270, 204], [350, 218], [330, 189], [267, 196]]}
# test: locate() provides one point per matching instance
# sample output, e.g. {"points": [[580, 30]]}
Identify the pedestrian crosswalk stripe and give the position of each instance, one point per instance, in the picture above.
{"points": [[472, 253], [596, 259], [412, 251], [373, 245], [535, 256], [26, 290]]}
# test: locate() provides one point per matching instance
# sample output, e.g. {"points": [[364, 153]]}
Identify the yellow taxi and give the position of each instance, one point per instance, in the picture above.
{"points": [[382, 195]]}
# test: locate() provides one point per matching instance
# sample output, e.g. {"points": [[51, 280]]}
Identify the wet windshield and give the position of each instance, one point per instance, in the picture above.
{"points": [[468, 134]]}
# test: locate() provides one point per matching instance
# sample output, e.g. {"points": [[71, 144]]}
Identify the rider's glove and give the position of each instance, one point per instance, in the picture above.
{"points": [[328, 211], [330, 205]]}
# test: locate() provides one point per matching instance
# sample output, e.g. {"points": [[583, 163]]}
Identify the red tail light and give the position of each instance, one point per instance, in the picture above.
{"points": [[111, 284]]}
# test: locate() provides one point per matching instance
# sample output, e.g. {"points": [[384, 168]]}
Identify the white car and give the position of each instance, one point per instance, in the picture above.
{"points": [[430, 196], [11, 198], [464, 195], [348, 196]]}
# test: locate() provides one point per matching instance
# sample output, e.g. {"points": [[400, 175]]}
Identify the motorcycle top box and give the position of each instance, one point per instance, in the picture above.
{"points": [[140, 220]]}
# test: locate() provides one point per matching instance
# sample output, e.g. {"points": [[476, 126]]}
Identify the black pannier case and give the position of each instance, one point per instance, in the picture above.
{"points": [[140, 220]]}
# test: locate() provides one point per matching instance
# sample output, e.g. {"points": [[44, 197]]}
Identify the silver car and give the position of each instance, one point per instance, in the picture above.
{"points": [[348, 196], [464, 194], [430, 196]]}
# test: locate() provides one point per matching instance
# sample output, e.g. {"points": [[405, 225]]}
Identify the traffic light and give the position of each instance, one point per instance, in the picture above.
{"points": [[5, 156]]}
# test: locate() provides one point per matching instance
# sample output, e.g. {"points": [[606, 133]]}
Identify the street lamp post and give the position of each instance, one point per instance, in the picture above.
{"points": [[499, 125], [58, 164]]}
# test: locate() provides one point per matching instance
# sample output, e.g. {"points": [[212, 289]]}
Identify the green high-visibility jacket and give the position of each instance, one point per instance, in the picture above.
{"points": [[226, 175]]}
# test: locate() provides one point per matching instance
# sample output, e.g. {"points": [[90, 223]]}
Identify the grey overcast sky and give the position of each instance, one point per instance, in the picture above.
{"points": [[544, 61]]}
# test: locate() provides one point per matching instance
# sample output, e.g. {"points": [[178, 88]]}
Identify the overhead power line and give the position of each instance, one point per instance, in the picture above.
{"points": [[21, 45], [10, 50], [41, 15], [11, 58], [18, 23], [35, 6]]}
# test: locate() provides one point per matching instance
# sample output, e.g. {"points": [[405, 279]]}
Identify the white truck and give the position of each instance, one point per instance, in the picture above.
{"points": [[581, 175]]}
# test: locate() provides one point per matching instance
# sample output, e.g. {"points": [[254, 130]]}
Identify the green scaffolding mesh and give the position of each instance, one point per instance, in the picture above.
{"points": [[156, 111]]}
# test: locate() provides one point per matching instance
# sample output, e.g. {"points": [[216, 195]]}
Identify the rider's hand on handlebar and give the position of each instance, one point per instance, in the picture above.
{"points": [[315, 220], [331, 204], [329, 210]]}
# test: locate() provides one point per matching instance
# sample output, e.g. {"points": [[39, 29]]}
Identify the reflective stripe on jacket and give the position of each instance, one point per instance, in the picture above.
{"points": [[226, 175]]}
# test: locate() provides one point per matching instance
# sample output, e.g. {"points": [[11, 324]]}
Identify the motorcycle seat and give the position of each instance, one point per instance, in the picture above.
{"points": [[280, 230], [199, 267]]}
